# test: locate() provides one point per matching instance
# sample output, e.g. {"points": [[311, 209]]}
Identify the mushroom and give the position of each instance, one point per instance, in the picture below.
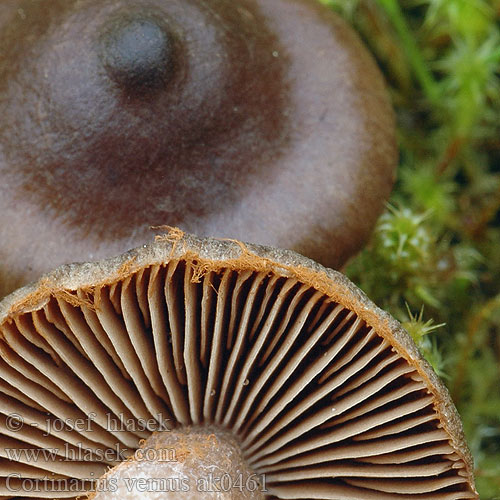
{"points": [[213, 362], [262, 120]]}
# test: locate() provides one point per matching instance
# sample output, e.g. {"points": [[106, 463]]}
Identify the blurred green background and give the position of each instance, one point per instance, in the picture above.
{"points": [[434, 260]]}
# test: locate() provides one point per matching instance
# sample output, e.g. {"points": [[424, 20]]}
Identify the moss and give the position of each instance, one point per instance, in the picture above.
{"points": [[438, 243]]}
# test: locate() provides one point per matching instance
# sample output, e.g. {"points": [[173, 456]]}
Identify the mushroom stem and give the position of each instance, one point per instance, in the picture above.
{"points": [[191, 462]]}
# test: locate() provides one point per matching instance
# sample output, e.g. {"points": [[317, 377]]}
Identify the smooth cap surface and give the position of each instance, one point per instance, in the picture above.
{"points": [[261, 120]]}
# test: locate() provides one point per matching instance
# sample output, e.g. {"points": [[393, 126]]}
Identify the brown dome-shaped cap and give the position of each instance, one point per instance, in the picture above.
{"points": [[262, 120], [313, 390]]}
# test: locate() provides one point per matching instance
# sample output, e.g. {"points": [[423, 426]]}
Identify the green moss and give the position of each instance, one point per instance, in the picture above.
{"points": [[438, 244]]}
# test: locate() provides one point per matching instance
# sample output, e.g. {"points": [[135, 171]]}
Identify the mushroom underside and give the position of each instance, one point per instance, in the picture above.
{"points": [[319, 399]]}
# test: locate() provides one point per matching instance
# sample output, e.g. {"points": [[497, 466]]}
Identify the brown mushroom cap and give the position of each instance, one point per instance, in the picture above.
{"points": [[260, 120], [323, 394]]}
